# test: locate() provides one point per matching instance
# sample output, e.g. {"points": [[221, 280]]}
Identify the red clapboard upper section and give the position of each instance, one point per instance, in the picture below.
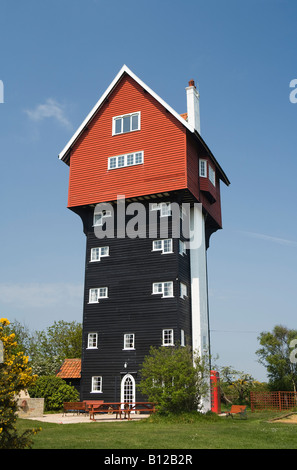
{"points": [[171, 150], [161, 138]]}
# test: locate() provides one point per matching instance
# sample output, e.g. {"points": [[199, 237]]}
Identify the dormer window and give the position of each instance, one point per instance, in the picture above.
{"points": [[211, 175], [203, 168], [126, 123], [206, 170]]}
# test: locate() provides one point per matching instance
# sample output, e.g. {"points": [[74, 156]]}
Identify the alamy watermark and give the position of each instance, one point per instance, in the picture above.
{"points": [[138, 220], [293, 93], [1, 91]]}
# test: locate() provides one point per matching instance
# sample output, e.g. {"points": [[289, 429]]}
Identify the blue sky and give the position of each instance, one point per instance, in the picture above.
{"points": [[58, 57]]}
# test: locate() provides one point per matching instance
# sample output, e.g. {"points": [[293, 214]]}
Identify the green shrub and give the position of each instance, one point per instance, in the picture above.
{"points": [[63, 393], [54, 391]]}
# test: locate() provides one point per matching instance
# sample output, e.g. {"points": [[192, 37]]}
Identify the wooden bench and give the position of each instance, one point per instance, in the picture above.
{"points": [[237, 410], [74, 407]]}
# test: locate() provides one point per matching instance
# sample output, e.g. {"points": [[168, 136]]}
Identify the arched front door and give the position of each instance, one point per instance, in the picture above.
{"points": [[128, 389]]}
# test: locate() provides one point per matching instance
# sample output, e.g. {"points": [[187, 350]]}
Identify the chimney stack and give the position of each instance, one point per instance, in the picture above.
{"points": [[193, 106]]}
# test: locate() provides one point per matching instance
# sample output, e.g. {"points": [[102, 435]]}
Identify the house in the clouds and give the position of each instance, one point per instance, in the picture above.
{"points": [[145, 284]]}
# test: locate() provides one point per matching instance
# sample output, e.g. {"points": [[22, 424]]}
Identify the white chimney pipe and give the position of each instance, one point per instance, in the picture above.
{"points": [[193, 105]]}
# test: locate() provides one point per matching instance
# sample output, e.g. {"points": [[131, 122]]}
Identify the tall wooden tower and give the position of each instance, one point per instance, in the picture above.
{"points": [[144, 284]]}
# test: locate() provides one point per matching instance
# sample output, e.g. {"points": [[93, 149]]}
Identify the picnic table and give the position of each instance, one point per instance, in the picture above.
{"points": [[120, 408], [109, 407], [92, 407]]}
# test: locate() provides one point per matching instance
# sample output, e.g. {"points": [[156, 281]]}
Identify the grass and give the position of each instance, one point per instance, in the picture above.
{"points": [[182, 432]]}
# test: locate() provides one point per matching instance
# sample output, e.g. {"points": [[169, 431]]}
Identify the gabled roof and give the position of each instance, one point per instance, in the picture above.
{"points": [[70, 369], [64, 155]]}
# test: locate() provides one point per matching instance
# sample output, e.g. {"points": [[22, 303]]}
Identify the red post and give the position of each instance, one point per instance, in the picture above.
{"points": [[215, 392]]}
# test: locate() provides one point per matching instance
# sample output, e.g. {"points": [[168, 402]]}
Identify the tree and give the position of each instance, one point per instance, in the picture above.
{"points": [[275, 356], [15, 376], [47, 349], [170, 378], [236, 386]]}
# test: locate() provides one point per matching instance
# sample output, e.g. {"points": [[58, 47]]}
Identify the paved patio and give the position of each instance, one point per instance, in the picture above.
{"points": [[71, 418]]}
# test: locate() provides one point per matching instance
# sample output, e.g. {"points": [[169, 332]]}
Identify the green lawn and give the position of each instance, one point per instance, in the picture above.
{"points": [[178, 433]]}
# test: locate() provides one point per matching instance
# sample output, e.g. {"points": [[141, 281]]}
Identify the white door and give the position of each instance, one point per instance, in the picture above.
{"points": [[128, 389]]}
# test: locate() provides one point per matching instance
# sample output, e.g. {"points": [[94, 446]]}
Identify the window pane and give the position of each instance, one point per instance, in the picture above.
{"points": [[158, 288], [135, 122], [98, 219], [112, 162], [212, 177], [138, 157], [126, 123], [96, 384], [130, 159], [167, 336], [168, 289], [103, 292], [182, 338], [93, 295], [183, 290], [129, 341], [92, 340], [157, 245], [95, 254], [104, 251], [121, 161], [202, 168], [167, 246], [165, 209], [118, 126], [182, 248]]}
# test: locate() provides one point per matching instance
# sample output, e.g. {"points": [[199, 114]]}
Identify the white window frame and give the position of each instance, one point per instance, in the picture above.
{"points": [[126, 160], [211, 174], [207, 171], [92, 341], [162, 245], [97, 293], [96, 384], [99, 252], [183, 290], [182, 338], [129, 341], [121, 119], [203, 168], [182, 248], [163, 207], [168, 337], [99, 216], [162, 288]]}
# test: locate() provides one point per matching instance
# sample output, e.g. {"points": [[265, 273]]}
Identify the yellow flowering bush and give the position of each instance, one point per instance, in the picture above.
{"points": [[15, 376]]}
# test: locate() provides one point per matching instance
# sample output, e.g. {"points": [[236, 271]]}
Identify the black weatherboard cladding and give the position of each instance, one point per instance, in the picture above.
{"points": [[129, 273]]}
